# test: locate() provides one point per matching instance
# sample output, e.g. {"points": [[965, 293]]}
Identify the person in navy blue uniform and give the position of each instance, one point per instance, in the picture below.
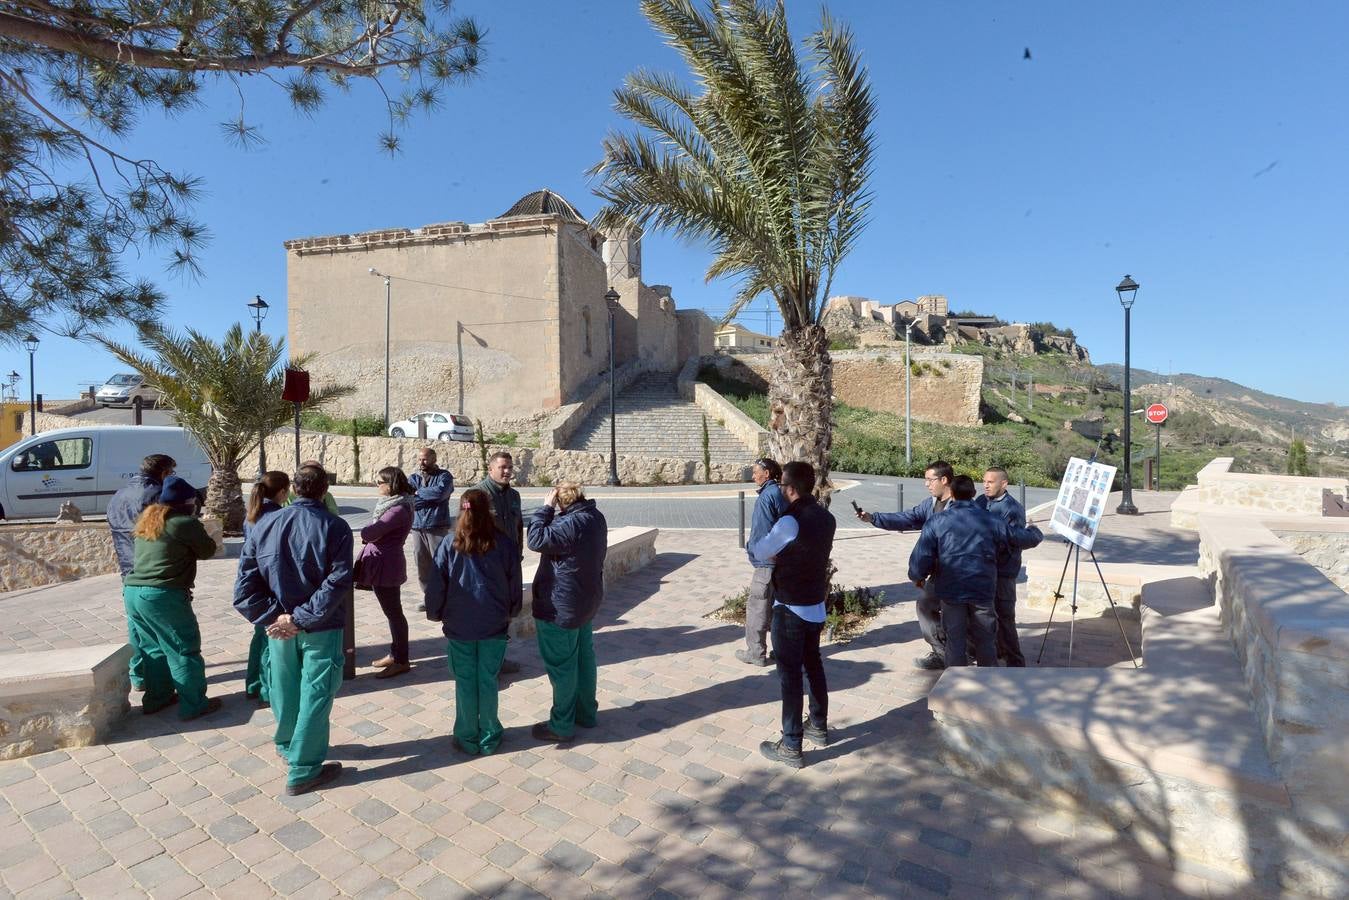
{"points": [[937, 477], [124, 508], [958, 552], [799, 546], [768, 508], [998, 501], [433, 487]]}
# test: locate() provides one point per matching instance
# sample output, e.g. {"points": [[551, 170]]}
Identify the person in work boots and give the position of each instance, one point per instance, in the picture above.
{"points": [[433, 487], [937, 478], [799, 546], [124, 508], [768, 508]]}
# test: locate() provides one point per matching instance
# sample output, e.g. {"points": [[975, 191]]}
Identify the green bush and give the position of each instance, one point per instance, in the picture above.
{"points": [[843, 342], [366, 424]]}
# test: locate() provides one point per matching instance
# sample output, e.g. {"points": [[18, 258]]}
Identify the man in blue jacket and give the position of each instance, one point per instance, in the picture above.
{"points": [[124, 508], [572, 538], [799, 546], [937, 477], [430, 515], [997, 500], [958, 552], [768, 508], [295, 579]]}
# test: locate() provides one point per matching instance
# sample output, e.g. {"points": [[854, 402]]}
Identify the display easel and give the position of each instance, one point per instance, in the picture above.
{"points": [[1075, 557]]}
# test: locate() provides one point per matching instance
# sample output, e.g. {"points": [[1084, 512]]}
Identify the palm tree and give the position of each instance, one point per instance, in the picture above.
{"points": [[765, 161], [225, 394]]}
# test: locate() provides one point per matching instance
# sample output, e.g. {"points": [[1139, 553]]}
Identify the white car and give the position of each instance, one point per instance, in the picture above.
{"points": [[123, 388], [440, 426]]}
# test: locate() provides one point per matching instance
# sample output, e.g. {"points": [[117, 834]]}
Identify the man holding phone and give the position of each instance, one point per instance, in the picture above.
{"points": [[937, 478]]}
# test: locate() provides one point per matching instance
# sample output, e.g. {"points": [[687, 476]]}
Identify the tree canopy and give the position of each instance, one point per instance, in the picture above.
{"points": [[76, 74]]}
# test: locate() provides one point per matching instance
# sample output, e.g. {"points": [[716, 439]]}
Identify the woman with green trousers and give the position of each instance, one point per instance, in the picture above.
{"points": [[169, 540], [476, 579], [572, 538], [270, 493]]}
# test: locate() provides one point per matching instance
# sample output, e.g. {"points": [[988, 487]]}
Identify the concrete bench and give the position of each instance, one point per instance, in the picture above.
{"points": [[1171, 754], [630, 548], [61, 698]]}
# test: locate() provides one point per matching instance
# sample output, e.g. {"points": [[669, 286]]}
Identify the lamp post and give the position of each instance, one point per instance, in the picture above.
{"points": [[258, 310], [30, 344], [387, 298], [611, 304], [1126, 290], [908, 435]]}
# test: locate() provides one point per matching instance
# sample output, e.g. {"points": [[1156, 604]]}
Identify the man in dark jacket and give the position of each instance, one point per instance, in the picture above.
{"points": [[799, 546], [768, 508], [431, 514], [572, 538], [509, 520], [958, 551], [997, 500], [295, 579], [124, 508], [937, 477]]}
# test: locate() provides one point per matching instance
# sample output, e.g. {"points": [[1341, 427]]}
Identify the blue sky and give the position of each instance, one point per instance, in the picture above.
{"points": [[1200, 148]]}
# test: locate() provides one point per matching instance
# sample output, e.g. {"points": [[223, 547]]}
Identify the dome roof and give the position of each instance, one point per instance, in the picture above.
{"points": [[544, 203]]}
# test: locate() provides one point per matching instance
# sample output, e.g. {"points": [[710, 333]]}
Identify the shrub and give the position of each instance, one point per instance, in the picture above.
{"points": [[355, 452], [843, 342], [366, 424], [707, 453]]}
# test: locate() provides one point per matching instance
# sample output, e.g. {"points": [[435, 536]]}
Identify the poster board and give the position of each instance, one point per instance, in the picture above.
{"points": [[1081, 501]]}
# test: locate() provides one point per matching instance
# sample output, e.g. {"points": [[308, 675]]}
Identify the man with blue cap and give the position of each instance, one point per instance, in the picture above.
{"points": [[295, 578]]}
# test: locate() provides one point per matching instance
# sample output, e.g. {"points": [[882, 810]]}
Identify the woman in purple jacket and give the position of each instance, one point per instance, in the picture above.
{"points": [[381, 565]]}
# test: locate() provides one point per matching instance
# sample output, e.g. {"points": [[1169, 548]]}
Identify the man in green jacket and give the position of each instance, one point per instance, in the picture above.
{"points": [[509, 520]]}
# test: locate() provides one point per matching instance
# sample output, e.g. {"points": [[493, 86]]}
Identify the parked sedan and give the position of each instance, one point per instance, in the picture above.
{"points": [[123, 389], [440, 426]]}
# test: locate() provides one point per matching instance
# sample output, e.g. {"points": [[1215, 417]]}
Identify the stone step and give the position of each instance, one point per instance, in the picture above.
{"points": [[653, 420]]}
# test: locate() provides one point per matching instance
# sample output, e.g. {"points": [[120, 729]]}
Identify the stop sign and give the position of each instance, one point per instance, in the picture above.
{"points": [[1157, 413]]}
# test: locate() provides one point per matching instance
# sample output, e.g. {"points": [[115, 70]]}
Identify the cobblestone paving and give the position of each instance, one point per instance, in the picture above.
{"points": [[667, 797]]}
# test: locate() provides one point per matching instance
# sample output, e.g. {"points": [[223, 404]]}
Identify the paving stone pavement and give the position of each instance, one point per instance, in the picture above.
{"points": [[667, 797]]}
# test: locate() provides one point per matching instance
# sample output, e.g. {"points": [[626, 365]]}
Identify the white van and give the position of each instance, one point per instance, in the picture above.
{"points": [[87, 466], [123, 388]]}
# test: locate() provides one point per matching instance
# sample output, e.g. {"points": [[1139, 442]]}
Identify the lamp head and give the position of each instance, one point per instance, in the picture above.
{"points": [[611, 298], [1126, 290], [30, 343], [259, 307]]}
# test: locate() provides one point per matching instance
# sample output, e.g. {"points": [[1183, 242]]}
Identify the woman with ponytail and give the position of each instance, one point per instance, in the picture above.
{"points": [[269, 495], [382, 566], [169, 540], [475, 584]]}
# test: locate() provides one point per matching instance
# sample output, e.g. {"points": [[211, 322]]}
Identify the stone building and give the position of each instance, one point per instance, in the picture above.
{"points": [[738, 337], [511, 311]]}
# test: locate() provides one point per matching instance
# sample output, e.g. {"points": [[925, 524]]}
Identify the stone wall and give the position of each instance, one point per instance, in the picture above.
{"points": [[43, 553], [61, 698], [1326, 550], [721, 410], [1298, 495], [946, 389], [532, 466], [1290, 627]]}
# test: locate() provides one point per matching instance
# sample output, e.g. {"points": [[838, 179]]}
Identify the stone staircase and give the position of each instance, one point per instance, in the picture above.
{"points": [[653, 420]]}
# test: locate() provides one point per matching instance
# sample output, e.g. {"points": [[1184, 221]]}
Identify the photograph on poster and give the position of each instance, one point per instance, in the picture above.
{"points": [[1081, 500]]}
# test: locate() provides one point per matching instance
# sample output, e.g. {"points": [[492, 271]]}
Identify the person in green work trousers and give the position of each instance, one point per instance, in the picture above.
{"points": [[471, 591], [270, 493], [572, 537], [509, 520], [169, 540], [295, 580]]}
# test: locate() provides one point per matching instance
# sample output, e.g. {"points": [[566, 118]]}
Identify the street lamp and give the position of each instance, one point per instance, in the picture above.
{"points": [[13, 393], [611, 303], [30, 344], [908, 435], [387, 298], [258, 310], [1126, 290]]}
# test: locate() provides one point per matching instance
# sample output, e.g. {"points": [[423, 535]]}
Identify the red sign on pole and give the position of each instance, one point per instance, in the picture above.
{"points": [[1157, 413]]}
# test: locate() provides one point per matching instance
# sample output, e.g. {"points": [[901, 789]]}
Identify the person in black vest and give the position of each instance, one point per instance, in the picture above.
{"points": [[799, 545]]}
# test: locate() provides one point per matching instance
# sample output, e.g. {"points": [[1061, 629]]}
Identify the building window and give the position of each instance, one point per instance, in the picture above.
{"points": [[585, 315]]}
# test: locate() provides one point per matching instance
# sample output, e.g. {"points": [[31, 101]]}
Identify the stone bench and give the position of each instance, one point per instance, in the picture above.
{"points": [[61, 698], [630, 548], [1171, 754]]}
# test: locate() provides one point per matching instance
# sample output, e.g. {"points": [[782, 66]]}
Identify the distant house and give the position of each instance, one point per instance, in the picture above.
{"points": [[740, 338]]}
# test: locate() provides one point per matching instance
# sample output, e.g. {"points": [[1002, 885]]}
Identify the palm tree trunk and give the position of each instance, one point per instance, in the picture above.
{"points": [[800, 402], [225, 496]]}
